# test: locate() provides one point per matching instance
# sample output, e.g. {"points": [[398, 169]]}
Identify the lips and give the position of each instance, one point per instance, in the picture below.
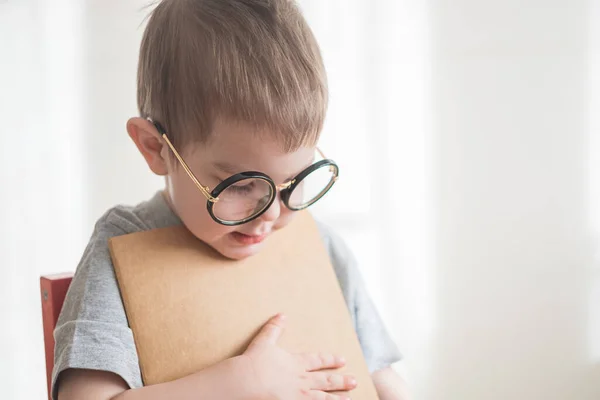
{"points": [[244, 239]]}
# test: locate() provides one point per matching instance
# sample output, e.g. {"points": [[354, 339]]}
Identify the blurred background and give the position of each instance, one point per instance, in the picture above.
{"points": [[468, 140]]}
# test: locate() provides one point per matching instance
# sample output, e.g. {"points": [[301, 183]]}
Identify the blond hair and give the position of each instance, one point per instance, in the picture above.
{"points": [[247, 61]]}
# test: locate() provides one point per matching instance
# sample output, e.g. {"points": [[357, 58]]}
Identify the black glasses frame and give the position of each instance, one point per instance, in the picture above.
{"points": [[285, 189]]}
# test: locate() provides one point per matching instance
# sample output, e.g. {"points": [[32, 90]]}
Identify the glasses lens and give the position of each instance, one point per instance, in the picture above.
{"points": [[313, 186], [243, 200]]}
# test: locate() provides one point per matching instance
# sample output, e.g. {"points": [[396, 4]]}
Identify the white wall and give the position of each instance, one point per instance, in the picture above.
{"points": [[515, 270], [472, 131]]}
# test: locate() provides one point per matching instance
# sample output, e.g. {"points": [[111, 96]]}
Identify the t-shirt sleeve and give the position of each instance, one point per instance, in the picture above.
{"points": [[92, 330], [378, 348]]}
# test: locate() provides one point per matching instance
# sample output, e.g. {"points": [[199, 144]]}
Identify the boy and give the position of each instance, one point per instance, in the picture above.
{"points": [[224, 87]]}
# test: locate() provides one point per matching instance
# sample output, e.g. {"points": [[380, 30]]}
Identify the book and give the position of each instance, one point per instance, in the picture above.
{"points": [[190, 307]]}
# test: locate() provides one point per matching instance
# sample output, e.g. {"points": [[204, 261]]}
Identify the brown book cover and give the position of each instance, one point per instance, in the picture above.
{"points": [[189, 307]]}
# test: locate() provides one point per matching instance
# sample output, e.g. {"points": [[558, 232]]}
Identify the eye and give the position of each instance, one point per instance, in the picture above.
{"points": [[242, 189]]}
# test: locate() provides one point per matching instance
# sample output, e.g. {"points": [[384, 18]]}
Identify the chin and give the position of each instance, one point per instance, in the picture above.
{"points": [[239, 252]]}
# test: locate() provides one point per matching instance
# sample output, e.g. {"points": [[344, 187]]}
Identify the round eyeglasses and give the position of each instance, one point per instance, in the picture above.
{"points": [[245, 196]]}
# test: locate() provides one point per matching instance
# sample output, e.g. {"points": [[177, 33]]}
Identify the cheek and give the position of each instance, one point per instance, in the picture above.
{"points": [[285, 217], [206, 229], [191, 207]]}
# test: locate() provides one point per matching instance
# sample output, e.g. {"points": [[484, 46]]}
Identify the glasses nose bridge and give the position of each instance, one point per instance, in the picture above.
{"points": [[284, 185]]}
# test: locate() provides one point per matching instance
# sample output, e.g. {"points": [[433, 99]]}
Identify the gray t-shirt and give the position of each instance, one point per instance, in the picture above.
{"points": [[92, 331]]}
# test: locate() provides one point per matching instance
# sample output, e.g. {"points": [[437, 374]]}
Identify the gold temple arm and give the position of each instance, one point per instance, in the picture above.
{"points": [[321, 153], [204, 189]]}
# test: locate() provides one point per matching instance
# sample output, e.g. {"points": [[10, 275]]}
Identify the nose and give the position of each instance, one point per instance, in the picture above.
{"points": [[273, 212]]}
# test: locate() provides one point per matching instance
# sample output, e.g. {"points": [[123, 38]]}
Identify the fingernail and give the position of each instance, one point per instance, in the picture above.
{"points": [[341, 360], [281, 316], [353, 382]]}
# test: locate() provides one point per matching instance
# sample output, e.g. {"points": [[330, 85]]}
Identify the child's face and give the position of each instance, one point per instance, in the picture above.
{"points": [[233, 148]]}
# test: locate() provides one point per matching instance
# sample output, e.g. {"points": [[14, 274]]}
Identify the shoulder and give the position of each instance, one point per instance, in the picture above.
{"points": [[342, 259], [119, 220], [150, 214], [94, 273]]}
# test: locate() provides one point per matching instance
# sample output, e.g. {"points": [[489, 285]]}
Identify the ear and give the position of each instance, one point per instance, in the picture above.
{"points": [[149, 143]]}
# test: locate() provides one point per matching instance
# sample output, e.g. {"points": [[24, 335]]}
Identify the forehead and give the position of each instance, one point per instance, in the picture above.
{"points": [[237, 147]]}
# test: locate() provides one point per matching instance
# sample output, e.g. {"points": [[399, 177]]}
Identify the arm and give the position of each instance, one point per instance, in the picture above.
{"points": [[264, 371], [389, 385], [224, 380], [86, 383]]}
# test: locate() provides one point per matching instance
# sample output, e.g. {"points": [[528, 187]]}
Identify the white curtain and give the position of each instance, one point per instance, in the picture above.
{"points": [[468, 148]]}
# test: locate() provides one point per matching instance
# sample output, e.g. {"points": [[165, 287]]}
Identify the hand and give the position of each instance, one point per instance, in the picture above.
{"points": [[281, 375]]}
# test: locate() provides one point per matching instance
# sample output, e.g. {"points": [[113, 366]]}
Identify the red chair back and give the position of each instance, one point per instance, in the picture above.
{"points": [[53, 291]]}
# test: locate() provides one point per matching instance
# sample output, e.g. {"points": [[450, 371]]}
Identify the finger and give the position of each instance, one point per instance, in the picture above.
{"points": [[270, 332], [318, 361], [319, 395], [329, 382]]}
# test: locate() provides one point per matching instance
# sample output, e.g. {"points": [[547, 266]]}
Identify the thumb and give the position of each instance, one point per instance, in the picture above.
{"points": [[270, 332]]}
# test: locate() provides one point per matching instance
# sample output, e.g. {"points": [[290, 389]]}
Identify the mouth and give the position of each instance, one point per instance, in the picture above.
{"points": [[244, 239]]}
